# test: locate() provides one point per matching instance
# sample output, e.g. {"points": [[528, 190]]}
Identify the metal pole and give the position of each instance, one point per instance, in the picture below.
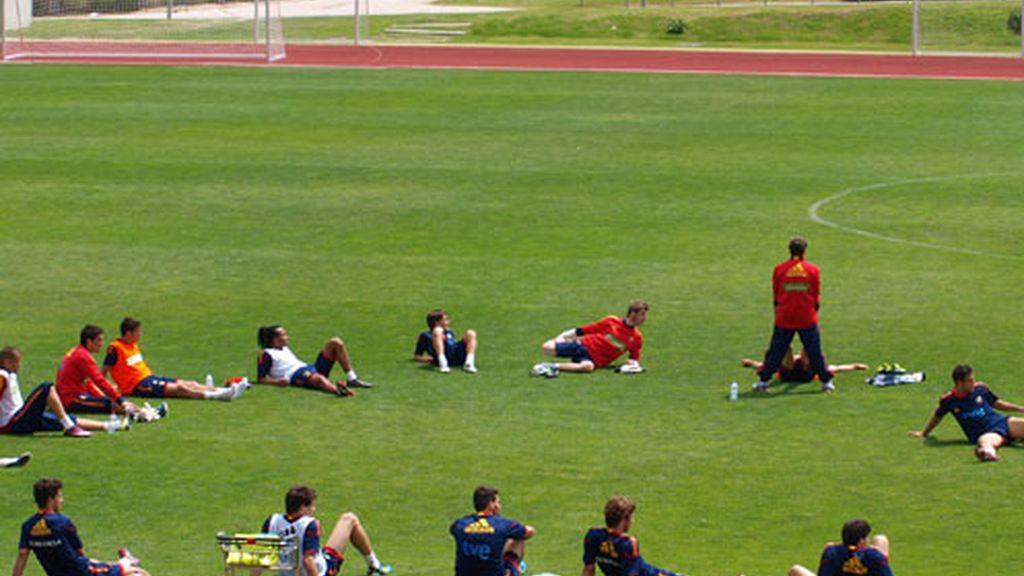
{"points": [[915, 36], [255, 21], [3, 30], [1021, 29], [266, 6], [170, 8]]}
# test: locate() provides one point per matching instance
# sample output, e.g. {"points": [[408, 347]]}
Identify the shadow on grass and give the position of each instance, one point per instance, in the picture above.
{"points": [[783, 390]]}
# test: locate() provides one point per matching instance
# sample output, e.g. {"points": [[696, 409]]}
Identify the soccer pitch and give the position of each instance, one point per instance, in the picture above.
{"points": [[207, 202]]}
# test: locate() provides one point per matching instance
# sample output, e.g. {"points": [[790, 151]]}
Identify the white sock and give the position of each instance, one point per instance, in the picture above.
{"points": [[371, 560], [113, 425], [219, 394], [67, 422], [470, 359], [350, 375], [442, 362]]}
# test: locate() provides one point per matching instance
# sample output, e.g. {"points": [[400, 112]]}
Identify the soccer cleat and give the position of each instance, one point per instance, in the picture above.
{"points": [[545, 369], [16, 462], [162, 410], [471, 368], [759, 386], [237, 389], [828, 386], [127, 556], [379, 570], [987, 454], [357, 383], [444, 369], [77, 431], [344, 391]]}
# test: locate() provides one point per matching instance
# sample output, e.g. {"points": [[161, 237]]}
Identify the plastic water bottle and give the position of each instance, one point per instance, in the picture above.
{"points": [[734, 391], [209, 380]]}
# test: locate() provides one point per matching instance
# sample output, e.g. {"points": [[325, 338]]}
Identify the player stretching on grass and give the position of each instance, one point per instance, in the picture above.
{"points": [[597, 345], [611, 548], [796, 289], [125, 364], [25, 417], [279, 366], [855, 556], [298, 521], [973, 405], [487, 543], [438, 346], [797, 368], [54, 539], [80, 384]]}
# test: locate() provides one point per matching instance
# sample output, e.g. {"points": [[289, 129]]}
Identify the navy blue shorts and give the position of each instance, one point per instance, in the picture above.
{"points": [[91, 404], [510, 565], [301, 376], [32, 416], [455, 353], [105, 568], [153, 387], [573, 350], [334, 561]]}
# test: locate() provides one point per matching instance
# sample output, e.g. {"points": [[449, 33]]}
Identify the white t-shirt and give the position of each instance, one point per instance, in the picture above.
{"points": [[11, 400], [280, 525], [284, 362]]}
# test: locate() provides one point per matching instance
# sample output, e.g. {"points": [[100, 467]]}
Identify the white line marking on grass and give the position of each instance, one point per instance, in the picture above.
{"points": [[815, 208]]}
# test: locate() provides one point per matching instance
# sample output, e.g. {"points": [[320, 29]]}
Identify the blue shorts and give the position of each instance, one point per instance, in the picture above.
{"points": [[98, 568], [573, 350], [32, 416], [1003, 429], [455, 353], [153, 387], [334, 561], [510, 565], [301, 376], [91, 404]]}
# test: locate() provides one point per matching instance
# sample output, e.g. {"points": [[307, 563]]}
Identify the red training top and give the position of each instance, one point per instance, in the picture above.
{"points": [[796, 285], [78, 374], [608, 338]]}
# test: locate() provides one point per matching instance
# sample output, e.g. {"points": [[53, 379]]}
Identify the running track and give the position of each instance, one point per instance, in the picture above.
{"points": [[651, 61]]}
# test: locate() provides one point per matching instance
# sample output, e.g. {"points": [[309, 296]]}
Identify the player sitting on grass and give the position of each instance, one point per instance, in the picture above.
{"points": [[125, 364], [438, 346], [298, 520], [611, 548], [80, 384], [597, 345], [55, 541], [974, 407], [797, 368], [25, 417], [279, 366], [487, 543], [854, 556]]}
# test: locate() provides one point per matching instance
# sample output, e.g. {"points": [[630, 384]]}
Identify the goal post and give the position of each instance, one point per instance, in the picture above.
{"points": [[145, 29], [965, 27]]}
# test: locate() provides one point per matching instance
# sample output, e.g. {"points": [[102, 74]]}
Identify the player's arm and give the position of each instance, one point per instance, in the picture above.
{"points": [[109, 360], [1007, 406], [103, 384], [309, 562], [528, 532], [423, 358], [263, 365], [932, 423], [588, 569], [19, 563], [3, 385]]}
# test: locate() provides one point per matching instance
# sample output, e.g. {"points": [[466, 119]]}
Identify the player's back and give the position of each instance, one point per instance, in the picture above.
{"points": [[615, 553], [842, 560], [480, 543], [54, 540]]}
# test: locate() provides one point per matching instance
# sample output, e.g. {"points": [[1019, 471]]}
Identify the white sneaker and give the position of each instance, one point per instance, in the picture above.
{"points": [[545, 369], [444, 369], [759, 386], [469, 368], [237, 390], [828, 386]]}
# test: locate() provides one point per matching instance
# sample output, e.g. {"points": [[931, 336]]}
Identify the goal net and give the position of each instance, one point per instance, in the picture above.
{"points": [[983, 27], [125, 29]]}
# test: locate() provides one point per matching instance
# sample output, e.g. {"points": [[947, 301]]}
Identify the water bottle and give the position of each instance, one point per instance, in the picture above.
{"points": [[734, 391], [209, 380]]}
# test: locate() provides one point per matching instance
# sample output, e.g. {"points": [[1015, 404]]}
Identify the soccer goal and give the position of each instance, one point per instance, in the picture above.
{"points": [[148, 29], [988, 27]]}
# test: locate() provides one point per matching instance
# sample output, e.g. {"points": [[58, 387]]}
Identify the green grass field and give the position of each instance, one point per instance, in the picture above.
{"points": [[210, 201]]}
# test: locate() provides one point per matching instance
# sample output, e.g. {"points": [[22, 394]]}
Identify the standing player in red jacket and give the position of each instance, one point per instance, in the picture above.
{"points": [[597, 345], [796, 288]]}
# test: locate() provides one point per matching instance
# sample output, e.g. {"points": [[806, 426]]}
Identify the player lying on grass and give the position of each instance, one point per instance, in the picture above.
{"points": [[437, 346], [80, 384], [974, 407], [129, 370], [797, 368], [597, 345], [854, 556], [298, 520], [57, 546], [487, 543], [19, 416], [612, 549], [279, 366]]}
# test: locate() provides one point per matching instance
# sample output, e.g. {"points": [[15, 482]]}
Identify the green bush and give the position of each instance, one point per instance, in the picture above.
{"points": [[676, 26], [1013, 22]]}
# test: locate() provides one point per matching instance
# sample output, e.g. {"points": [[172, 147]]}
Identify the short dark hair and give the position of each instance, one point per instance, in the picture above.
{"points": [[855, 530], [483, 496], [797, 246], [266, 335], [45, 489], [434, 316], [297, 497], [89, 332], [637, 305], [8, 353], [129, 324], [617, 508], [962, 372]]}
